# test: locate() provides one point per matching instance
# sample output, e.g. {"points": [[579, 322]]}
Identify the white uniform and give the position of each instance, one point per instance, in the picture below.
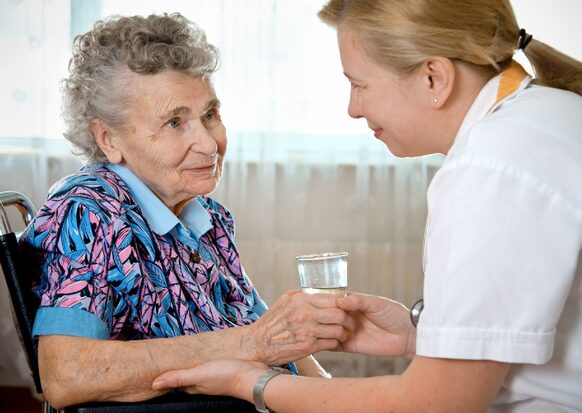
{"points": [[503, 269]]}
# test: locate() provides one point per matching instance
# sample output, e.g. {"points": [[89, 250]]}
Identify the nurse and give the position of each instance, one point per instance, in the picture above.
{"points": [[501, 328]]}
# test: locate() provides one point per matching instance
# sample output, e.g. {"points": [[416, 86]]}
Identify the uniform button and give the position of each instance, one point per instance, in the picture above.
{"points": [[195, 256]]}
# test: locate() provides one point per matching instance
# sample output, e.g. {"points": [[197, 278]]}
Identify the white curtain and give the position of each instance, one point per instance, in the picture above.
{"points": [[300, 177]]}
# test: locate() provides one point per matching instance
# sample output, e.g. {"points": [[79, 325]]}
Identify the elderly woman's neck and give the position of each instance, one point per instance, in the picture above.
{"points": [[179, 207]]}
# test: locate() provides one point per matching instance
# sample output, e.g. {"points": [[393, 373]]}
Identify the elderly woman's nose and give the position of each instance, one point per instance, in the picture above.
{"points": [[204, 142]]}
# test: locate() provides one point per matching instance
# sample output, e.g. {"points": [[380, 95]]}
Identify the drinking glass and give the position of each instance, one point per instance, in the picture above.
{"points": [[325, 273]]}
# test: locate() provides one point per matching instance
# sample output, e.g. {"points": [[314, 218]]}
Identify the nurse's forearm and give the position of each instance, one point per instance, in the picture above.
{"points": [[428, 385]]}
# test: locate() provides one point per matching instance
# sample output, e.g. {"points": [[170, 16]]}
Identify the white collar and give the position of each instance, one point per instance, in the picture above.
{"points": [[498, 90]]}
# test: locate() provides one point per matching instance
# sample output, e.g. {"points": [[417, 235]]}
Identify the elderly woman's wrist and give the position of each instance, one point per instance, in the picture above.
{"points": [[254, 343]]}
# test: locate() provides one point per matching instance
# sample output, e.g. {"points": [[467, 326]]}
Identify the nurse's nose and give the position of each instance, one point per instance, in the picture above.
{"points": [[354, 107]]}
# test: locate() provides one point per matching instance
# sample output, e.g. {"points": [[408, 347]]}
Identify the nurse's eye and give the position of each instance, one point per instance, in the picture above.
{"points": [[174, 123]]}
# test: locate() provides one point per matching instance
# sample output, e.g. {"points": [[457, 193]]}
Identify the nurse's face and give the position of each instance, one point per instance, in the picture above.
{"points": [[392, 104]]}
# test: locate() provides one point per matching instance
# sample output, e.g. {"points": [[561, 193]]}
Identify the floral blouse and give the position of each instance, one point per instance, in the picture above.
{"points": [[104, 272]]}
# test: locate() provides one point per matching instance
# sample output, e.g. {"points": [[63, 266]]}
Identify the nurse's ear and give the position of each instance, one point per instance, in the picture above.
{"points": [[438, 74], [105, 138]]}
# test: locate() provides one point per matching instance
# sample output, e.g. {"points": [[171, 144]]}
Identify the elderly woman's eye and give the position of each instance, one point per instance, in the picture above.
{"points": [[212, 115], [174, 123]]}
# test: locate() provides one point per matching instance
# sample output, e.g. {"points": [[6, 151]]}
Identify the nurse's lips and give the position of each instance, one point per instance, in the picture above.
{"points": [[378, 132]]}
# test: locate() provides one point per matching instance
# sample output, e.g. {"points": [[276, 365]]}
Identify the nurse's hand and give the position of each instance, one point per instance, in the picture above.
{"points": [[218, 377], [298, 325], [383, 327]]}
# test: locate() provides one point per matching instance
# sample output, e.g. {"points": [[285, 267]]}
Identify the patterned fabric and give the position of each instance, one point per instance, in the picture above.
{"points": [[97, 253]]}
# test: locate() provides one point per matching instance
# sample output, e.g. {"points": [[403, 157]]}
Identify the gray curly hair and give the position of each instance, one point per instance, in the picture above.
{"points": [[95, 87]]}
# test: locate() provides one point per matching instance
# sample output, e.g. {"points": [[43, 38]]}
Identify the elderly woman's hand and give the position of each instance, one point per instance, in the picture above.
{"points": [[298, 325]]}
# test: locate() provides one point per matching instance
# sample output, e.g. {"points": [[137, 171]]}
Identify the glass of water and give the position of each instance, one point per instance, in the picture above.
{"points": [[325, 273]]}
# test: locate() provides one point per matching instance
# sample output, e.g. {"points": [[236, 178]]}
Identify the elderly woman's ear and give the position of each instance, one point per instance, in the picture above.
{"points": [[103, 135]]}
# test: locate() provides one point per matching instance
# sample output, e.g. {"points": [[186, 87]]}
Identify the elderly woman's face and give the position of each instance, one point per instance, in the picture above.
{"points": [[174, 139]]}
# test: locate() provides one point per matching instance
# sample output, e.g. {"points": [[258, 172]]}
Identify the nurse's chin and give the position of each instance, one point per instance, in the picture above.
{"points": [[397, 150], [400, 152]]}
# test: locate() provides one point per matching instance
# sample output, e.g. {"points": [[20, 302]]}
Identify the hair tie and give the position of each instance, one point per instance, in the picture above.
{"points": [[523, 40]]}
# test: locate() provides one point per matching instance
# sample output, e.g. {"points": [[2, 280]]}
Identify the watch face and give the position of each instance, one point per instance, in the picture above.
{"points": [[415, 311]]}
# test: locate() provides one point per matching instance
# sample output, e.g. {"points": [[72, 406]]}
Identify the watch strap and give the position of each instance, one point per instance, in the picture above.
{"points": [[259, 388]]}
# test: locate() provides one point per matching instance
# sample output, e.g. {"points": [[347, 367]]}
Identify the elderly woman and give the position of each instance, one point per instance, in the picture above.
{"points": [[130, 248]]}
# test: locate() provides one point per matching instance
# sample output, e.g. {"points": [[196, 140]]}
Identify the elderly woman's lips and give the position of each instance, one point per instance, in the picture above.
{"points": [[207, 168], [378, 133]]}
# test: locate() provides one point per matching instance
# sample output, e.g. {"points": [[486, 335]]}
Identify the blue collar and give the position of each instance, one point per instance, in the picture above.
{"points": [[161, 219]]}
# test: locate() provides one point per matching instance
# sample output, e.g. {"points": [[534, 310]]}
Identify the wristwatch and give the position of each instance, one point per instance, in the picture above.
{"points": [[259, 388], [415, 312]]}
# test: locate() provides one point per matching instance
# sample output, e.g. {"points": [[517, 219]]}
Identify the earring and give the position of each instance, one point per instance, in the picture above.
{"points": [[435, 100]]}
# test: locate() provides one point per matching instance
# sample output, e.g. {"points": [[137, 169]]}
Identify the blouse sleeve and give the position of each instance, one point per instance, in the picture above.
{"points": [[500, 258], [73, 239]]}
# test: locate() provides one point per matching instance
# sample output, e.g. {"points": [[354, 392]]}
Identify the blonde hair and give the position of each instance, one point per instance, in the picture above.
{"points": [[401, 34], [96, 86]]}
